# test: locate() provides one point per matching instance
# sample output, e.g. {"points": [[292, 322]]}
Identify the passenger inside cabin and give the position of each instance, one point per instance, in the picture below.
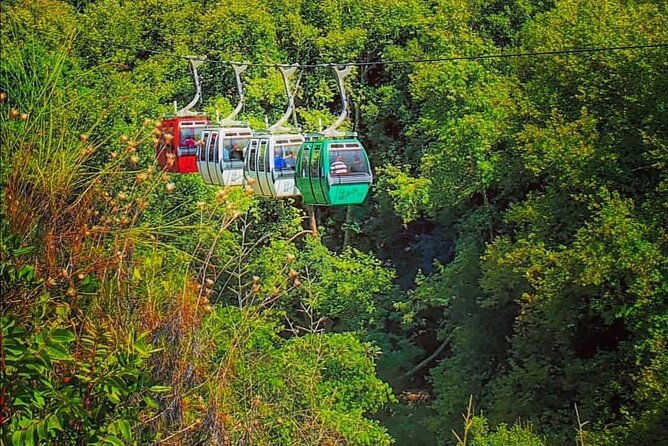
{"points": [[189, 140], [338, 167], [357, 165], [289, 160], [237, 152], [278, 161]]}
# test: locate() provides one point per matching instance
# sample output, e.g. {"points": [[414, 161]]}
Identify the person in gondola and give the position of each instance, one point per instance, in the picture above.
{"points": [[237, 153], [338, 167], [357, 165], [189, 142], [278, 162], [289, 161]]}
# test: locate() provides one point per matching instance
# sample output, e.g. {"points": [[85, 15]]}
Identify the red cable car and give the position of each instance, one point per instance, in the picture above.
{"points": [[176, 150]]}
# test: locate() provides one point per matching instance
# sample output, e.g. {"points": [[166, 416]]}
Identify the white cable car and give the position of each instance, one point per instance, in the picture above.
{"points": [[220, 156], [270, 164], [271, 158]]}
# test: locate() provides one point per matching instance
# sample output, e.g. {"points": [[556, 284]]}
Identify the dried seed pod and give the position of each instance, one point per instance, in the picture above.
{"points": [[134, 159], [124, 138], [88, 150], [293, 274], [221, 195], [290, 258], [14, 113], [83, 137], [71, 292], [209, 282], [170, 187], [24, 117], [3, 96], [297, 283]]}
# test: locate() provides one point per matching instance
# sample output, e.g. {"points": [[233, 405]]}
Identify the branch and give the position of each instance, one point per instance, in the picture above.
{"points": [[426, 361]]}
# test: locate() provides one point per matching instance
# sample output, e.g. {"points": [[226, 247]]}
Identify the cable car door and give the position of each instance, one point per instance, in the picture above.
{"points": [[250, 168], [202, 157], [213, 157], [264, 166]]}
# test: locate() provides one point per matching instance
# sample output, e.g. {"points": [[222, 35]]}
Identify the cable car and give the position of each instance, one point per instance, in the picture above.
{"points": [[270, 164], [176, 150], [332, 167], [333, 171], [220, 156], [271, 158]]}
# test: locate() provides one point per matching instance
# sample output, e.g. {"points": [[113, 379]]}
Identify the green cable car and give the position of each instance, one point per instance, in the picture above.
{"points": [[333, 171], [332, 167]]}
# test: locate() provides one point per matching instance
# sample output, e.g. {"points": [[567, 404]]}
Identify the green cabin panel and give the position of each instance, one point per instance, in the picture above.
{"points": [[314, 176]]}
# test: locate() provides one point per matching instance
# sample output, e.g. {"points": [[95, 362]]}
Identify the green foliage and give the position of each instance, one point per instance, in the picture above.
{"points": [[73, 387], [546, 173], [310, 388], [516, 435]]}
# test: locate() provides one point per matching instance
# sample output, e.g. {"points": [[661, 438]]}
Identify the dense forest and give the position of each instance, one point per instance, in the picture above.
{"points": [[504, 283]]}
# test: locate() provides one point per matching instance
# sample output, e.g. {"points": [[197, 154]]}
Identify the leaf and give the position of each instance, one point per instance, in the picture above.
{"points": [[62, 335], [112, 439], [160, 389], [41, 430], [30, 436], [53, 423], [38, 399], [124, 427], [150, 402], [17, 437], [58, 352]]}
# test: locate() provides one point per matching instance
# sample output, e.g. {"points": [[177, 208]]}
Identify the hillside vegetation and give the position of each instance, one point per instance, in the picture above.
{"points": [[510, 262]]}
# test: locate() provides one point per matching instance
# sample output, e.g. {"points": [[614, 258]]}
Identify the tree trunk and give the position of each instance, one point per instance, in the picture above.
{"points": [[347, 233], [312, 221]]}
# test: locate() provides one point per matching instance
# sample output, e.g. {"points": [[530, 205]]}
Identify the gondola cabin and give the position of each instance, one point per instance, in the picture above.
{"points": [[177, 149], [220, 157], [333, 171], [270, 164]]}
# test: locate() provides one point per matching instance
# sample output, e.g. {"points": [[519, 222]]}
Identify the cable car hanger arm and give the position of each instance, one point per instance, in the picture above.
{"points": [[285, 73], [229, 119], [341, 74], [195, 61]]}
